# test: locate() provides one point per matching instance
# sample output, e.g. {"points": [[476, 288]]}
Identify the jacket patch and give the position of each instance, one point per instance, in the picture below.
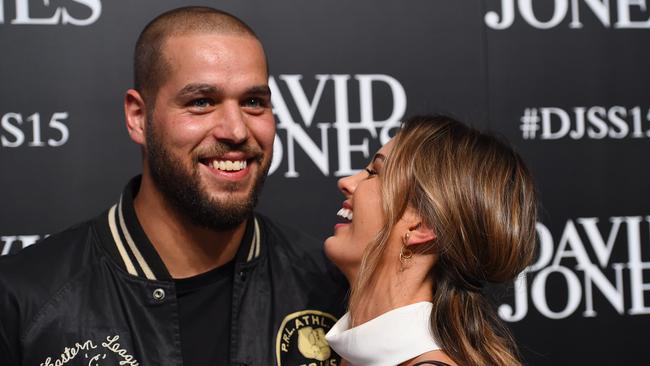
{"points": [[94, 353], [301, 340]]}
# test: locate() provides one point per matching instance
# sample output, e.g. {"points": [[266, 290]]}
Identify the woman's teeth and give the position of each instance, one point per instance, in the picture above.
{"points": [[345, 213], [229, 165]]}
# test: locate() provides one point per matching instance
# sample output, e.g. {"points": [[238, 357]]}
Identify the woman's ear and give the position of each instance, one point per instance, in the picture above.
{"points": [[419, 232]]}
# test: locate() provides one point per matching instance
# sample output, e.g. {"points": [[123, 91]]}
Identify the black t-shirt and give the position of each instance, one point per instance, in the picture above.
{"points": [[204, 303]]}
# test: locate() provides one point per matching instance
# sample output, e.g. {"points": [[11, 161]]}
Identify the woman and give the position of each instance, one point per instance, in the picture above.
{"points": [[440, 211]]}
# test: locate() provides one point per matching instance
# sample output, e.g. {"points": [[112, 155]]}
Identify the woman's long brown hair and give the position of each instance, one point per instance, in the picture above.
{"points": [[477, 195]]}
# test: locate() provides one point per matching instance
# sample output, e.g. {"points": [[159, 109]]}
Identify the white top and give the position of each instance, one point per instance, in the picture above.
{"points": [[387, 340]]}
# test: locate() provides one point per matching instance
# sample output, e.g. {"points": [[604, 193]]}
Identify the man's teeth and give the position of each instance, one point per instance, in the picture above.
{"points": [[229, 165], [345, 213]]}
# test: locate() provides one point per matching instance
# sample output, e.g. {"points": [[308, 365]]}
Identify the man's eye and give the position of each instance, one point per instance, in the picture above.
{"points": [[254, 103], [201, 103]]}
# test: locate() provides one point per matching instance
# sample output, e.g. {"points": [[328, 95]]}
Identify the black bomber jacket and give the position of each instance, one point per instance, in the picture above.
{"points": [[88, 296]]}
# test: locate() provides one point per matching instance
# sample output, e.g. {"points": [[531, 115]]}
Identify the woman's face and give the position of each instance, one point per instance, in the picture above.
{"points": [[361, 214]]}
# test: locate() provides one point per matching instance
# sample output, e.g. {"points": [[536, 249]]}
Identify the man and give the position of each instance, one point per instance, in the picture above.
{"points": [[180, 271]]}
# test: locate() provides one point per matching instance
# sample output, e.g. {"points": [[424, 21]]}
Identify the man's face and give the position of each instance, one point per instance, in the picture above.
{"points": [[209, 138]]}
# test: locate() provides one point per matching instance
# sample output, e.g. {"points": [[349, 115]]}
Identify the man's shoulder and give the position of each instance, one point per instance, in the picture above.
{"points": [[34, 276], [49, 261]]}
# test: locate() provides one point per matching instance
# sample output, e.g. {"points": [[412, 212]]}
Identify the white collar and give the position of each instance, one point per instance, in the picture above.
{"points": [[389, 339]]}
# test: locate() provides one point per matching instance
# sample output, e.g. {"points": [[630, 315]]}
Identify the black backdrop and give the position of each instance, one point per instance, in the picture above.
{"points": [[566, 81]]}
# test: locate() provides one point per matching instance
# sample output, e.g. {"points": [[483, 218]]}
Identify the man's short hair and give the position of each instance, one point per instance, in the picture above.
{"points": [[150, 67]]}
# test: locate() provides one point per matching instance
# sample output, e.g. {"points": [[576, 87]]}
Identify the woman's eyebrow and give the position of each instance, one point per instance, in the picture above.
{"points": [[379, 156]]}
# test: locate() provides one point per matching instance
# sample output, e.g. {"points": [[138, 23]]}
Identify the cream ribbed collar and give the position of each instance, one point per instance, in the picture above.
{"points": [[387, 340]]}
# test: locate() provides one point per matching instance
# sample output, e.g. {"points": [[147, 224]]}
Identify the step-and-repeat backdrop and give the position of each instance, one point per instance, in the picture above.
{"points": [[566, 81]]}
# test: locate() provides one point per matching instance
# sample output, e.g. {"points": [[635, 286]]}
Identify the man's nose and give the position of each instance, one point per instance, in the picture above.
{"points": [[230, 125]]}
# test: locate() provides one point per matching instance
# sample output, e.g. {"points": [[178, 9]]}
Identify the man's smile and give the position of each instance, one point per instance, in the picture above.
{"points": [[226, 165]]}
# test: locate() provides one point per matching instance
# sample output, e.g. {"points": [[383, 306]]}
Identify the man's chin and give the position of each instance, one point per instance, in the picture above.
{"points": [[222, 214], [232, 200], [229, 197]]}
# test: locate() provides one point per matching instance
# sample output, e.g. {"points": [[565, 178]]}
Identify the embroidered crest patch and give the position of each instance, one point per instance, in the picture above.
{"points": [[301, 340]]}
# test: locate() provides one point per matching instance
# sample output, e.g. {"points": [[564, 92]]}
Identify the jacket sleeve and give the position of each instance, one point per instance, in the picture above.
{"points": [[9, 324], [6, 355]]}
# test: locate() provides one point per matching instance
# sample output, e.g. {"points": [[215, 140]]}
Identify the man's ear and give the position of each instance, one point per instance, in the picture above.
{"points": [[419, 232], [135, 112]]}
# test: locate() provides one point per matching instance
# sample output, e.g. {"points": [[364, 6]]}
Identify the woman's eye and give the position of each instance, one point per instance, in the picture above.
{"points": [[371, 172]]}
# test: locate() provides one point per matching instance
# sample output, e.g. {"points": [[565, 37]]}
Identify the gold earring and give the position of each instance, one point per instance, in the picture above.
{"points": [[405, 252]]}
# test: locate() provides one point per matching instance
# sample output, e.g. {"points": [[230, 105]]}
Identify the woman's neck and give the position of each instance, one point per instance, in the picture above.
{"points": [[393, 287]]}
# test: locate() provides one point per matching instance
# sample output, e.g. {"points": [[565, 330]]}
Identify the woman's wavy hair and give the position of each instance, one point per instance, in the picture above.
{"points": [[477, 195]]}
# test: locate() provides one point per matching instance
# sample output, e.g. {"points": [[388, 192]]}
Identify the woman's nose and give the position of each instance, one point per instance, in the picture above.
{"points": [[347, 185]]}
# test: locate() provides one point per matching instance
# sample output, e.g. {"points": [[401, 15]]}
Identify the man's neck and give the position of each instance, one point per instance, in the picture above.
{"points": [[186, 249]]}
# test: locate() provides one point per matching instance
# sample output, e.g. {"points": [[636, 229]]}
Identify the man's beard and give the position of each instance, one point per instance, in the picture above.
{"points": [[183, 189]]}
